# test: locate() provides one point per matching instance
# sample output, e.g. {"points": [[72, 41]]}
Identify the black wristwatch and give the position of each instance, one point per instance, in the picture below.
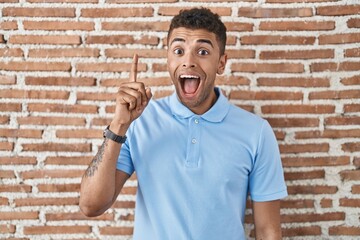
{"points": [[109, 134]]}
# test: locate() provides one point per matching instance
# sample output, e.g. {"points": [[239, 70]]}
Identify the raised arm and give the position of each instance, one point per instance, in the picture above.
{"points": [[102, 182]]}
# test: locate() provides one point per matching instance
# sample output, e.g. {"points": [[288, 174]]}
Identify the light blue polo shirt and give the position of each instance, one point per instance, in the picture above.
{"points": [[195, 171]]}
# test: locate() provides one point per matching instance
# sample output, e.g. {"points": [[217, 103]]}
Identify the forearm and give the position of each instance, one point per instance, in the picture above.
{"points": [[270, 233], [98, 188]]}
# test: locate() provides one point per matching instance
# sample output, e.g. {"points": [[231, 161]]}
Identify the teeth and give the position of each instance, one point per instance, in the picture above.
{"points": [[188, 76]]}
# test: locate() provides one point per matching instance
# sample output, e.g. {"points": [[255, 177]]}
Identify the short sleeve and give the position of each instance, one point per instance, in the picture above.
{"points": [[267, 177], [124, 162]]}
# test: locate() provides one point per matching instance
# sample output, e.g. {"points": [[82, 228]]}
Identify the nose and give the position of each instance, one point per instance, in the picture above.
{"points": [[188, 61]]}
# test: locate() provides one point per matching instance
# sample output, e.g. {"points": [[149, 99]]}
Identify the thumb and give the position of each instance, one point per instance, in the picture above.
{"points": [[148, 93]]}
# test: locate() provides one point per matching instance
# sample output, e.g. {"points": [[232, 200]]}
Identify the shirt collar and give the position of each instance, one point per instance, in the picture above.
{"points": [[215, 114]]}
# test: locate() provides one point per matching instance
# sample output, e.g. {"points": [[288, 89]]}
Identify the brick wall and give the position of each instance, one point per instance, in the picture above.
{"points": [[294, 62]]}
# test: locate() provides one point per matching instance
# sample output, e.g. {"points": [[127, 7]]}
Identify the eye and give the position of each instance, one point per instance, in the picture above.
{"points": [[203, 52], [178, 51]]}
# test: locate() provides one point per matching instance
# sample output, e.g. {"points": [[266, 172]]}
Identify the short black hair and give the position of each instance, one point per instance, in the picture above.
{"points": [[201, 18]]}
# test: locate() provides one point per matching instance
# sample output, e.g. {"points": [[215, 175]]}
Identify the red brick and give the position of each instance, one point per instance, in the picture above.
{"points": [[294, 82], [7, 228], [276, 40], [34, 94], [299, 148], [77, 216], [316, 174], [159, 67], [299, 203], [10, 107], [329, 133], [18, 160], [8, 25], [156, 81], [351, 147], [326, 203], [129, 53], [71, 52], [268, 67], [45, 39], [335, 66], [142, 1], [62, 108], [38, 12], [108, 67], [239, 27], [35, 66], [354, 80], [58, 173], [58, 26], [79, 133], [353, 52], [21, 133], [313, 189], [4, 120], [9, 1], [351, 108], [293, 122], [338, 10], [11, 52], [350, 175], [7, 80], [19, 215], [6, 146], [348, 202], [47, 201], [300, 54], [249, 95], [61, 81], [101, 121], [124, 204], [274, 12], [57, 147], [63, 1], [2, 40], [7, 174], [68, 160], [40, 230], [344, 230], [299, 1], [297, 26], [59, 187], [16, 188], [129, 190], [116, 231], [301, 231], [355, 189], [240, 54], [172, 11], [117, 12], [51, 121], [357, 162], [315, 161], [232, 80], [313, 217], [353, 23], [339, 38], [294, 108], [157, 26]]}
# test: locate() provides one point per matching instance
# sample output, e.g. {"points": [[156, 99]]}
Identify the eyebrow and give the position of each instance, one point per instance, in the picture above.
{"points": [[199, 41]]}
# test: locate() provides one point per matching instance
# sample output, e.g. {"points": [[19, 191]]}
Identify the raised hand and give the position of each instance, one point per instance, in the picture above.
{"points": [[131, 100]]}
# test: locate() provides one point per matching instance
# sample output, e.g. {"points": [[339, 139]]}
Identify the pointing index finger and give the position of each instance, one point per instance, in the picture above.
{"points": [[133, 72]]}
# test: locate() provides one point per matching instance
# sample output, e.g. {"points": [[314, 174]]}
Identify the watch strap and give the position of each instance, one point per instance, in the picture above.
{"points": [[109, 134]]}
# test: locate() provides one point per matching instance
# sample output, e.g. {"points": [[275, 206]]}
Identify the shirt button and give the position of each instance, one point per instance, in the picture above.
{"points": [[193, 141], [196, 121]]}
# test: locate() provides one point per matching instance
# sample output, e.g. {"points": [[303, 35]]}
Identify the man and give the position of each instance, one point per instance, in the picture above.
{"points": [[196, 156]]}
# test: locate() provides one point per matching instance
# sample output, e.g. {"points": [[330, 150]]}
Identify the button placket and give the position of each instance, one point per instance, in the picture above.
{"points": [[192, 159]]}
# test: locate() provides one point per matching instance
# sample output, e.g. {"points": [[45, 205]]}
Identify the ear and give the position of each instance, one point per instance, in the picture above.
{"points": [[222, 63]]}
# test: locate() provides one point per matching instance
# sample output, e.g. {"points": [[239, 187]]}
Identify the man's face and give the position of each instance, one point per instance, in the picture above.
{"points": [[193, 62]]}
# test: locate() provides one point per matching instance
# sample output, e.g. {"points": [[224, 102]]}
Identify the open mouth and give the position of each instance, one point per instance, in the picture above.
{"points": [[190, 83]]}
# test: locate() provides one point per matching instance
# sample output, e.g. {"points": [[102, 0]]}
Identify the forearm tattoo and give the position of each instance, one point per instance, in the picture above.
{"points": [[93, 166]]}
